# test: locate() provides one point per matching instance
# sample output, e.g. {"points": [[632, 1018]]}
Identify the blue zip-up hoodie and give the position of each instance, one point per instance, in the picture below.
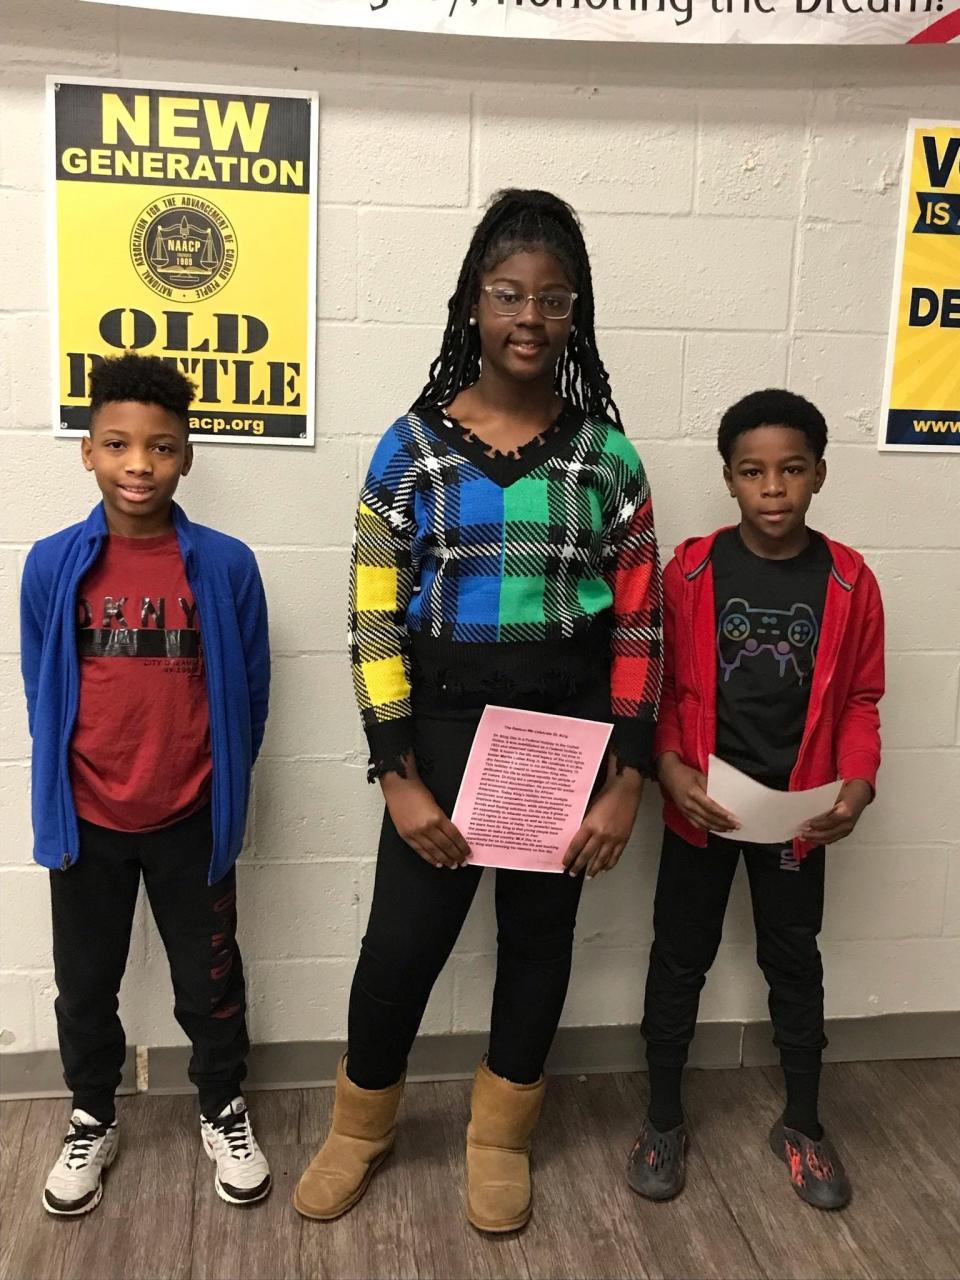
{"points": [[225, 581]]}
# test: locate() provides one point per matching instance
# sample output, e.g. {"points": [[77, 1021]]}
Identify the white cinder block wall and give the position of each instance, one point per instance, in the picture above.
{"points": [[740, 206]]}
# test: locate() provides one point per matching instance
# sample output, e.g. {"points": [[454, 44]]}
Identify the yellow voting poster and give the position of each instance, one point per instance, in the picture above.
{"points": [[184, 225], [921, 408]]}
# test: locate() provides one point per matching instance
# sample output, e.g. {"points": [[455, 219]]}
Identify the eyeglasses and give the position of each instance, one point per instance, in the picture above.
{"points": [[553, 304]]}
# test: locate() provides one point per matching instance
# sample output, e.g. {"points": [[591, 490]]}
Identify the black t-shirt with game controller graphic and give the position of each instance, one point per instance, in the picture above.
{"points": [[769, 614]]}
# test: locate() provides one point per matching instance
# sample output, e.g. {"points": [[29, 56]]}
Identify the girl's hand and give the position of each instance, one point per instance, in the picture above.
{"points": [[421, 822], [606, 827], [843, 817], [687, 788]]}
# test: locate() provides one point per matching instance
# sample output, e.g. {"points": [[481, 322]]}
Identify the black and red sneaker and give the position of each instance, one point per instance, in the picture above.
{"points": [[816, 1171], [656, 1167]]}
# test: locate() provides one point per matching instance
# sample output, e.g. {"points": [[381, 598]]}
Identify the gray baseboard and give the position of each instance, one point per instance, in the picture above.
{"points": [[577, 1050], [887, 1036], [40, 1075]]}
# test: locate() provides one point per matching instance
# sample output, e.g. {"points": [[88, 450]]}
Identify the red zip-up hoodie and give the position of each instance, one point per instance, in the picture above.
{"points": [[841, 736]]}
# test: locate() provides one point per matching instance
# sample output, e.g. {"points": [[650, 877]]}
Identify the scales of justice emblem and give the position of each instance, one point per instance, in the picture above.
{"points": [[183, 248]]}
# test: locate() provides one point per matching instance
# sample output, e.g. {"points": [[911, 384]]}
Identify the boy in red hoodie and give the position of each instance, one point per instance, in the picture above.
{"points": [[773, 661]]}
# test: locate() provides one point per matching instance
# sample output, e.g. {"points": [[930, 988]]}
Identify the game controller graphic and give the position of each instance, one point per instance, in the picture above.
{"points": [[788, 635]]}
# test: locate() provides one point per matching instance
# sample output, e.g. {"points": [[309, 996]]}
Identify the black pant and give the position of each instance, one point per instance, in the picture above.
{"points": [[692, 891], [418, 911], [93, 907]]}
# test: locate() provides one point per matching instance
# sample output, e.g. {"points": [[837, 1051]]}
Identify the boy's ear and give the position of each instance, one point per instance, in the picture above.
{"points": [[819, 475], [187, 459], [86, 457], [728, 480]]}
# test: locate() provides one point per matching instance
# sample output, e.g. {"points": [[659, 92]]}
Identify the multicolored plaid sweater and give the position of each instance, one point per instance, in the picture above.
{"points": [[534, 552]]}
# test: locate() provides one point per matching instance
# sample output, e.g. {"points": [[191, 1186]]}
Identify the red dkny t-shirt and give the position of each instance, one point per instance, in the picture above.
{"points": [[140, 751]]}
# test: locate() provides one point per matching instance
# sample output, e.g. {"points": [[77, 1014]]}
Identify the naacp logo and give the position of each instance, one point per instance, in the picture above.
{"points": [[183, 248]]}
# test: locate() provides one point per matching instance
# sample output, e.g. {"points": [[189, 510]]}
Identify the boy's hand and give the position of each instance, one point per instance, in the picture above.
{"points": [[606, 826], [687, 788], [421, 822], [843, 817]]}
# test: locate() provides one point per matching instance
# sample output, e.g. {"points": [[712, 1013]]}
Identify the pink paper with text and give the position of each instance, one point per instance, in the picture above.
{"points": [[526, 786]]}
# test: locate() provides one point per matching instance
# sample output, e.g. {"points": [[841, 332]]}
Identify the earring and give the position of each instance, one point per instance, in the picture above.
{"points": [[472, 320]]}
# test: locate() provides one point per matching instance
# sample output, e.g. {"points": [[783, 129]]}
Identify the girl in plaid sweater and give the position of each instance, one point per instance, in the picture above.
{"points": [[504, 551]]}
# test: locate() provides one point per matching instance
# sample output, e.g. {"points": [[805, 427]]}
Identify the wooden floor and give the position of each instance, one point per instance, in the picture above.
{"points": [[898, 1125]]}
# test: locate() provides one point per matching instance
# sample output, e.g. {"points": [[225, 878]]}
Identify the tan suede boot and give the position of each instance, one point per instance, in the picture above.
{"points": [[503, 1117], [360, 1139]]}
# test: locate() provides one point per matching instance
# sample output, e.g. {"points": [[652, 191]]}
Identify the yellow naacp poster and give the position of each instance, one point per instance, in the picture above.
{"points": [[921, 407], [184, 222]]}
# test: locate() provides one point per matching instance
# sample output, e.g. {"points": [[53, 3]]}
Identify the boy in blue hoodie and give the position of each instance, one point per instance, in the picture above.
{"points": [[146, 666]]}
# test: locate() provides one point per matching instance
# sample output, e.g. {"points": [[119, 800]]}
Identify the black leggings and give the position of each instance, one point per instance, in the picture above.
{"points": [[418, 911], [692, 891]]}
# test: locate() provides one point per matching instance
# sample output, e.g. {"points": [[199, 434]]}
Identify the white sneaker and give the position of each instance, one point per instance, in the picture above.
{"points": [[75, 1183], [243, 1174]]}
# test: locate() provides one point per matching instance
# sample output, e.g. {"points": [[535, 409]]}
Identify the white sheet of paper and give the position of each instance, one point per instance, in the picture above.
{"points": [[766, 816]]}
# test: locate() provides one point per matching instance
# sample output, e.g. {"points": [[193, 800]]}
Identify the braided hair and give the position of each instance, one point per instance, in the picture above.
{"points": [[519, 221]]}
